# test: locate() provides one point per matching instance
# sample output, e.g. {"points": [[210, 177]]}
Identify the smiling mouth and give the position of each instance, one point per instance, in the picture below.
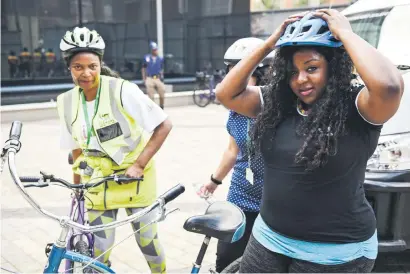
{"points": [[306, 92]]}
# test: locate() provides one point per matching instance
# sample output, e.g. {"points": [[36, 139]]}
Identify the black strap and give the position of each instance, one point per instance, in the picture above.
{"points": [[215, 181]]}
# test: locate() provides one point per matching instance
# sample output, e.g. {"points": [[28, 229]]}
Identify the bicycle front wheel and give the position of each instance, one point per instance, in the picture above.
{"points": [[81, 247], [201, 97]]}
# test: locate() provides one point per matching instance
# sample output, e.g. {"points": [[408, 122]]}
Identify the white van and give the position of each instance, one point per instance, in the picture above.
{"points": [[386, 25]]}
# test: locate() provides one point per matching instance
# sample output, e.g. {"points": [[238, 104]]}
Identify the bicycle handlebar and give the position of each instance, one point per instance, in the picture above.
{"points": [[15, 130], [45, 179], [12, 147]]}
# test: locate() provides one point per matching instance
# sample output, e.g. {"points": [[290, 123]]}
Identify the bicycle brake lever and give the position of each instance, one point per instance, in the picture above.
{"points": [[165, 213], [46, 176]]}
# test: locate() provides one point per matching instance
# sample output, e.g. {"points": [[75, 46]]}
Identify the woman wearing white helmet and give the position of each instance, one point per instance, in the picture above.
{"points": [[245, 190], [103, 122]]}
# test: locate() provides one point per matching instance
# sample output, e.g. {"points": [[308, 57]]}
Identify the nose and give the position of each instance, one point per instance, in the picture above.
{"points": [[302, 77], [86, 72]]}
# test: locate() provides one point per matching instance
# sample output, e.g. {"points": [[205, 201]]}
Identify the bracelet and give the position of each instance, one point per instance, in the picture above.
{"points": [[215, 181]]}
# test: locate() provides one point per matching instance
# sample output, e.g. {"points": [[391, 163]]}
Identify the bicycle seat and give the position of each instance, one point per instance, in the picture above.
{"points": [[222, 220]]}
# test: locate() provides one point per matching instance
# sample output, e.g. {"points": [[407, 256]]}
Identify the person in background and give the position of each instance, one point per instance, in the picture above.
{"points": [[38, 61], [50, 62], [25, 63], [13, 61], [153, 74]]}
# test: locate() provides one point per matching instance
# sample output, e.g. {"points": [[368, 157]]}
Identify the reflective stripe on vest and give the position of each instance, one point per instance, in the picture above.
{"points": [[115, 85]]}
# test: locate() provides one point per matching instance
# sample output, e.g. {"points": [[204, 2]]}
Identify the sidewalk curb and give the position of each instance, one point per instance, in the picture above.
{"points": [[44, 111]]}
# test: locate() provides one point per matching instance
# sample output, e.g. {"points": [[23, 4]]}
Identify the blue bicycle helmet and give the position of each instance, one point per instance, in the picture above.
{"points": [[309, 31]]}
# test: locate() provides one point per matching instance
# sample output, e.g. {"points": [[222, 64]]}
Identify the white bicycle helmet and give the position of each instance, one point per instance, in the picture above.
{"points": [[81, 39], [243, 47]]}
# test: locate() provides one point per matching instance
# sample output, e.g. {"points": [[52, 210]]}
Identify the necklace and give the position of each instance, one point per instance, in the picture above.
{"points": [[300, 108]]}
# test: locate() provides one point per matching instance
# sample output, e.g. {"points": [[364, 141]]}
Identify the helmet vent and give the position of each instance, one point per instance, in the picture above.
{"points": [[306, 28], [292, 29], [82, 37], [323, 29], [91, 36], [72, 38]]}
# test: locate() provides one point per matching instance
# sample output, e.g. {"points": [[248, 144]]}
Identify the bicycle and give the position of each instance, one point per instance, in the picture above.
{"points": [[77, 241], [204, 93], [211, 224]]}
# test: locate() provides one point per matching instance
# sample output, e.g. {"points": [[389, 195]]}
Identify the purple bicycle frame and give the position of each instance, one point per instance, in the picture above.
{"points": [[80, 220]]}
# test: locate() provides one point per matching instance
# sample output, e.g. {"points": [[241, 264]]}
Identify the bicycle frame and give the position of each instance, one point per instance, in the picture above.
{"points": [[79, 218], [59, 252]]}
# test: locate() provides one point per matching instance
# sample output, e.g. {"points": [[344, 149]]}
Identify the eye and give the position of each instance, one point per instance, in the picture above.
{"points": [[93, 66], [311, 69], [77, 67]]}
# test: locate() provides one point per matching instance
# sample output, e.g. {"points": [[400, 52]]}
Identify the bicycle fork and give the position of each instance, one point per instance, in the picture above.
{"points": [[57, 252]]}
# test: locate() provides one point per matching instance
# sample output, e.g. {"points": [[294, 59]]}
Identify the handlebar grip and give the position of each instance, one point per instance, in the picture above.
{"points": [[36, 185], [15, 130], [173, 193], [28, 179], [123, 179]]}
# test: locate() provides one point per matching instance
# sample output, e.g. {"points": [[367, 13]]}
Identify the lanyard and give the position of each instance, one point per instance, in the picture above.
{"points": [[248, 142], [87, 119]]}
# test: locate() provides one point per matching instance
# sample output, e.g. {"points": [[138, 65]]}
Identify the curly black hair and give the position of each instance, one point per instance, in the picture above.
{"points": [[326, 121]]}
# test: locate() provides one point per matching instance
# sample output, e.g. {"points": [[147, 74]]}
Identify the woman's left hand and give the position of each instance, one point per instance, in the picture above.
{"points": [[135, 171], [337, 22]]}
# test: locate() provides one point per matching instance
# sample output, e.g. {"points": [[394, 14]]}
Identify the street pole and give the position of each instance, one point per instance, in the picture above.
{"points": [[160, 40], [80, 13]]}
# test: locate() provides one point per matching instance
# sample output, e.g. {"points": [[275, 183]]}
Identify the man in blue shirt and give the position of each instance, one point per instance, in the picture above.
{"points": [[153, 74]]}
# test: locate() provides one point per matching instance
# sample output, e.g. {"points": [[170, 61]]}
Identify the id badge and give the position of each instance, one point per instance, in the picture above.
{"points": [[249, 176]]}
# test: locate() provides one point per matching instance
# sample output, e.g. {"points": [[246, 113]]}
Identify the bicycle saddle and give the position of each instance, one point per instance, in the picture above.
{"points": [[222, 220]]}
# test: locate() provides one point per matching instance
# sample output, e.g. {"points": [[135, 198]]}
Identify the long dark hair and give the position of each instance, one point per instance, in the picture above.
{"points": [[327, 118], [107, 71]]}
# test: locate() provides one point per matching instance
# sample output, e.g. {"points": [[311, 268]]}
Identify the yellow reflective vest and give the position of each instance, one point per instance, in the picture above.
{"points": [[121, 139]]}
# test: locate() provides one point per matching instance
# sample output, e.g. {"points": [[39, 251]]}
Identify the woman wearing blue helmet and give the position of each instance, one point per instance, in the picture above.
{"points": [[245, 189], [316, 129]]}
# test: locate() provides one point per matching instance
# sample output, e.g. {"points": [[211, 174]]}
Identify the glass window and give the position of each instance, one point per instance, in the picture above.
{"points": [[368, 26]]}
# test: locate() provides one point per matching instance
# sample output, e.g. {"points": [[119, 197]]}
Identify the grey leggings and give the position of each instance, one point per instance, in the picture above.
{"points": [[258, 259]]}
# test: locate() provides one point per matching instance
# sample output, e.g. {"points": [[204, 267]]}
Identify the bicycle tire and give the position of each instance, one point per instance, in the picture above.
{"points": [[81, 247], [201, 99], [233, 267]]}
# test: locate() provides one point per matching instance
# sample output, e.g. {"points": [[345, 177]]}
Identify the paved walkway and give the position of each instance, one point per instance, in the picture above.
{"points": [[189, 156]]}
